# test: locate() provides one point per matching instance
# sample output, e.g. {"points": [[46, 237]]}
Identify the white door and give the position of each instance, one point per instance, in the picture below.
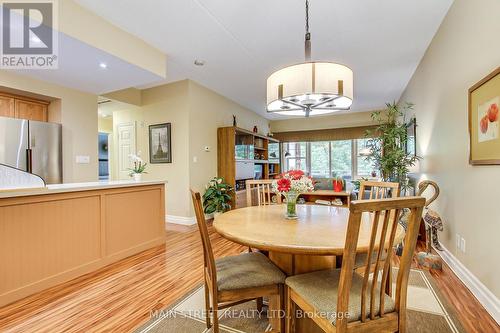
{"points": [[126, 146]]}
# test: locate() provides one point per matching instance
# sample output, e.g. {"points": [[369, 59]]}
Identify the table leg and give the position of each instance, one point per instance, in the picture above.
{"points": [[292, 264]]}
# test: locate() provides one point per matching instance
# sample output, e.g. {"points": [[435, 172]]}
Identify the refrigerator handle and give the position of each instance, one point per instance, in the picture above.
{"points": [[29, 160]]}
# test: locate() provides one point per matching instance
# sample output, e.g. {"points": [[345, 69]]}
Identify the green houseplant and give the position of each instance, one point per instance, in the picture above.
{"points": [[387, 144], [357, 183], [217, 196]]}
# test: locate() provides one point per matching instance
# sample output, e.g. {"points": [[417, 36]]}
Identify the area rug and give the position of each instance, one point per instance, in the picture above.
{"points": [[428, 312]]}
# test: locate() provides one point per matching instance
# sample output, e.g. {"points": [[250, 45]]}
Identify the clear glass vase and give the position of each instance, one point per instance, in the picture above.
{"points": [[291, 205]]}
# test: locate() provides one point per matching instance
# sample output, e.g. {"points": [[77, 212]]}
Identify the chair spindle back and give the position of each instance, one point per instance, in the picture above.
{"points": [[384, 215], [261, 190], [378, 190]]}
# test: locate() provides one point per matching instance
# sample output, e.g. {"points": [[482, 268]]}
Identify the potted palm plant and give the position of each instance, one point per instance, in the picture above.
{"points": [[387, 144], [217, 197]]}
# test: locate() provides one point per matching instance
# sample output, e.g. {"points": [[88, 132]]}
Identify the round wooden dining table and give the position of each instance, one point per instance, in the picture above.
{"points": [[314, 241], [309, 243]]}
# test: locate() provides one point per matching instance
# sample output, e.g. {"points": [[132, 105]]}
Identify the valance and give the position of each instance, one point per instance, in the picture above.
{"points": [[346, 133]]}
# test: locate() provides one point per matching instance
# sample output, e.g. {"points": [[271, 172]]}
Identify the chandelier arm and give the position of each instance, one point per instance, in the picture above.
{"points": [[276, 111], [294, 104], [325, 102], [335, 109]]}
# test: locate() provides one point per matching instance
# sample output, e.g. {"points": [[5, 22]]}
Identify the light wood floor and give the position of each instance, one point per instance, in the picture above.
{"points": [[118, 298]]}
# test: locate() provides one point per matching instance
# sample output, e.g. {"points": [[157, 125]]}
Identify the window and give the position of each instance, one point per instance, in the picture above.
{"points": [[320, 159], [325, 159], [364, 167], [295, 156], [341, 152]]}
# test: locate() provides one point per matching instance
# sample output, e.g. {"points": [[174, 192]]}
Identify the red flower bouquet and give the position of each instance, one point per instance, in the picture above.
{"points": [[291, 184]]}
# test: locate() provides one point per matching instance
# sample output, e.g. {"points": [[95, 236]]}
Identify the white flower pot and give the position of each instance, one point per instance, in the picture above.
{"points": [[137, 177]]}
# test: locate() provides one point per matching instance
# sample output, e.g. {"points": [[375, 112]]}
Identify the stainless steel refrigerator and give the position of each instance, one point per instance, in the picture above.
{"points": [[32, 146]]}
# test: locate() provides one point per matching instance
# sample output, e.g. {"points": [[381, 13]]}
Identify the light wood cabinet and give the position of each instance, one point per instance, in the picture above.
{"points": [[24, 108], [7, 108], [51, 238], [31, 110]]}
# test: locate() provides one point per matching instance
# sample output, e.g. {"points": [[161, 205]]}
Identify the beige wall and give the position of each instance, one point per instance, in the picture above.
{"points": [[77, 112], [163, 104], [195, 113], [464, 50], [208, 111], [352, 119], [105, 125]]}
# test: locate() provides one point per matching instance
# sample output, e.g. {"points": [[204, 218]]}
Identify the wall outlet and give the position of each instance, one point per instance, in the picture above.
{"points": [[81, 159], [462, 245], [458, 241]]}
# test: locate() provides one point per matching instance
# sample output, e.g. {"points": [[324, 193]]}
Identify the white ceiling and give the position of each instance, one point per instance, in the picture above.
{"points": [[78, 68], [243, 41]]}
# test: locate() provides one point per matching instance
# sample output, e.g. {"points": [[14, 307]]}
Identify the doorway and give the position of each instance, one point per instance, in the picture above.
{"points": [[103, 150]]}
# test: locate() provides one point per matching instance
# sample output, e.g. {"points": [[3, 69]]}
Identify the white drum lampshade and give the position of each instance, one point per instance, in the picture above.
{"points": [[311, 88]]}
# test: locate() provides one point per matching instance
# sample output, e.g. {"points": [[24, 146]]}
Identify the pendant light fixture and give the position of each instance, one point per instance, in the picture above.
{"points": [[310, 88]]}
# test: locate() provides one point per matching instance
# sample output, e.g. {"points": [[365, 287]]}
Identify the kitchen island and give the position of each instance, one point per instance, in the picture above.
{"points": [[53, 234]]}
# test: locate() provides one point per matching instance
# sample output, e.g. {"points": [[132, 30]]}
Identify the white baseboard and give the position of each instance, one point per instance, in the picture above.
{"points": [[180, 220], [490, 302]]}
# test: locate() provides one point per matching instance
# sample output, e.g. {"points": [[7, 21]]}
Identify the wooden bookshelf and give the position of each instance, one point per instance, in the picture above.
{"points": [[237, 145]]}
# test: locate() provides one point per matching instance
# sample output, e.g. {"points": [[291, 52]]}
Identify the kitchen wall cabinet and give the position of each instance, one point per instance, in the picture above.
{"points": [[31, 110], [18, 107], [7, 106]]}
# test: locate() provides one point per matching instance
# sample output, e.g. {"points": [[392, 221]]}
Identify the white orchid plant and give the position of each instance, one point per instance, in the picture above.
{"points": [[139, 164]]}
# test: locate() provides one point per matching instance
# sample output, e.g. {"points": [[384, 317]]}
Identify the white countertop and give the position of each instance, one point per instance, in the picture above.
{"points": [[76, 187]]}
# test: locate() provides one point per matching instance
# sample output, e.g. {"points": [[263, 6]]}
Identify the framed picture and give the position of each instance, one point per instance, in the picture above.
{"points": [[484, 128], [411, 137], [160, 145]]}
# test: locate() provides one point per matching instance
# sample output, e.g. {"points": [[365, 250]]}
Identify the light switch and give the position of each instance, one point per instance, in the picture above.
{"points": [[195, 159], [82, 159]]}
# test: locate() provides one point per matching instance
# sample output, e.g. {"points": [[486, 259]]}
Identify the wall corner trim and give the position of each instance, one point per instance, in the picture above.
{"points": [[180, 220], [489, 301]]}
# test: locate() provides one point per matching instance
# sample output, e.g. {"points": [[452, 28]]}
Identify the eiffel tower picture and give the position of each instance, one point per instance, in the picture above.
{"points": [[160, 143]]}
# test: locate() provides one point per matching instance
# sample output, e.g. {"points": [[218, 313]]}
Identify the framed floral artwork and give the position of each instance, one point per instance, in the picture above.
{"points": [[484, 125]]}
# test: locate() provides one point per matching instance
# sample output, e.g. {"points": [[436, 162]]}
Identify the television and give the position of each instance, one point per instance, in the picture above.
{"points": [[258, 171]]}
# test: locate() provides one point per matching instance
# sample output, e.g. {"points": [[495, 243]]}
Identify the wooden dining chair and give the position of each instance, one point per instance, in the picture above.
{"points": [[341, 300], [260, 192], [237, 279], [376, 190]]}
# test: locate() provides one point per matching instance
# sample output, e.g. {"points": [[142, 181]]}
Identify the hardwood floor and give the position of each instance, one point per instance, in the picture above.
{"points": [[118, 298]]}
